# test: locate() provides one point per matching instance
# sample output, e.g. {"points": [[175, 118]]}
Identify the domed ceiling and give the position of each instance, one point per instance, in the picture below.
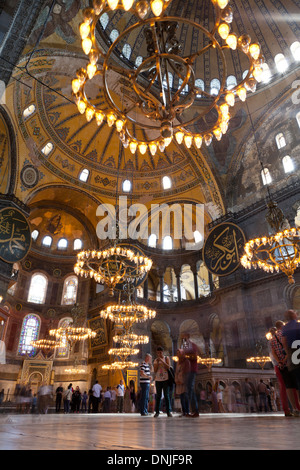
{"points": [[54, 55]]}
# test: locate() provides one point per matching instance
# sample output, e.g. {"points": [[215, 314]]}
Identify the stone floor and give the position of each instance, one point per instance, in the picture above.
{"points": [[133, 432]]}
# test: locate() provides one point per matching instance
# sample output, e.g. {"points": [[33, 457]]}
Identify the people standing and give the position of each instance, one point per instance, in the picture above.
{"points": [[120, 396], [161, 366], [182, 371], [67, 399], [249, 395], [84, 400], [145, 379], [106, 400], [191, 352], [96, 396], [76, 398], [262, 394], [59, 394]]}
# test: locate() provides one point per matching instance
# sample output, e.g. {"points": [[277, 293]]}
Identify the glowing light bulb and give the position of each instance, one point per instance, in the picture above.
{"points": [[89, 114], [224, 30], [231, 41], [242, 93], [99, 117], [208, 139], [111, 118], [119, 125], [84, 30], [188, 140], [230, 99], [258, 74], [254, 50], [93, 56], [133, 146], [112, 4], [142, 9], [179, 137], [91, 70], [87, 45], [156, 7], [76, 85], [127, 4], [198, 141], [222, 3], [81, 105], [153, 148], [143, 148], [161, 145], [218, 133]]}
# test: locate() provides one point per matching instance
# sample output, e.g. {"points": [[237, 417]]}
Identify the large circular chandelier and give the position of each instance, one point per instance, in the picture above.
{"points": [[158, 110], [72, 334], [115, 265], [127, 314]]}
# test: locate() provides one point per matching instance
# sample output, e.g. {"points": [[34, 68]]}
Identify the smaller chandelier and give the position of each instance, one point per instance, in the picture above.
{"points": [[131, 339], [75, 370], [127, 315], [115, 265], [72, 333], [260, 360], [209, 361], [123, 352], [46, 344], [277, 252], [120, 365]]}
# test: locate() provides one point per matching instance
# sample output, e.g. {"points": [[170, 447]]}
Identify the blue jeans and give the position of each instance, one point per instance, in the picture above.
{"points": [[144, 398], [191, 391], [184, 400]]}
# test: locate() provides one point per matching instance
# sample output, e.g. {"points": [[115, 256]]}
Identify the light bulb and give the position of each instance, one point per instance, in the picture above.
{"points": [[244, 42], [242, 93], [111, 118], [224, 108], [112, 4], [84, 30], [224, 127], [93, 56], [127, 4], [91, 70], [119, 125], [227, 14], [258, 74], [250, 84], [99, 117], [224, 30], [222, 3], [161, 145], [188, 140], [179, 137], [230, 98], [142, 9], [207, 139], [198, 141], [143, 148], [98, 6], [87, 45], [231, 41], [218, 133], [156, 7], [254, 50], [153, 148], [81, 105], [133, 146], [76, 85], [89, 114]]}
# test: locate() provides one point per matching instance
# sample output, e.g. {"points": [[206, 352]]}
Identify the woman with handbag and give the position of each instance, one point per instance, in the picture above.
{"points": [[161, 367]]}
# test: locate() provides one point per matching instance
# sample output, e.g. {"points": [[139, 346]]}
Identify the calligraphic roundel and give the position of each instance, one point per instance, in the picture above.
{"points": [[15, 235], [223, 248]]}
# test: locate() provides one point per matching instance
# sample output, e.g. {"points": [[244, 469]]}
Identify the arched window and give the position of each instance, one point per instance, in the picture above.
{"points": [[280, 140], [34, 235], [215, 86], [198, 236], [47, 241], [126, 51], [114, 35], [29, 111], [185, 89], [62, 244], [281, 63], [126, 186], [266, 73], [152, 240], [167, 243], [104, 19], [77, 244], [288, 164], [295, 50], [38, 289], [231, 82], [167, 183], [138, 60], [47, 149], [69, 295], [170, 81], [84, 175], [266, 176], [199, 83], [30, 332]]}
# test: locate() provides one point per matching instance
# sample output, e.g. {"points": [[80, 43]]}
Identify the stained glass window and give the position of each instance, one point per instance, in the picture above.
{"points": [[63, 352], [30, 332], [70, 291]]}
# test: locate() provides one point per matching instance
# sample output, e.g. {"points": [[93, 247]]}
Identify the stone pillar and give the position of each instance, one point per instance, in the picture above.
{"points": [[195, 273]]}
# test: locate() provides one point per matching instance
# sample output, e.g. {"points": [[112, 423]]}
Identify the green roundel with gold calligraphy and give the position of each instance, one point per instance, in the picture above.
{"points": [[223, 249], [15, 235]]}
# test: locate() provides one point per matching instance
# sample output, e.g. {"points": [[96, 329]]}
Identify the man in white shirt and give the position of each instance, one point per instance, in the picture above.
{"points": [[96, 396], [120, 396]]}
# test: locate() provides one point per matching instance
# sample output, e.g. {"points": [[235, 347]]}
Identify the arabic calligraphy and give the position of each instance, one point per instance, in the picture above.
{"points": [[223, 249], [15, 235]]}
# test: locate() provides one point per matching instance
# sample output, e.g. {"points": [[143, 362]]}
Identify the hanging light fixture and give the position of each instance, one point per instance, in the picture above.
{"points": [[72, 334], [158, 111], [260, 360]]}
